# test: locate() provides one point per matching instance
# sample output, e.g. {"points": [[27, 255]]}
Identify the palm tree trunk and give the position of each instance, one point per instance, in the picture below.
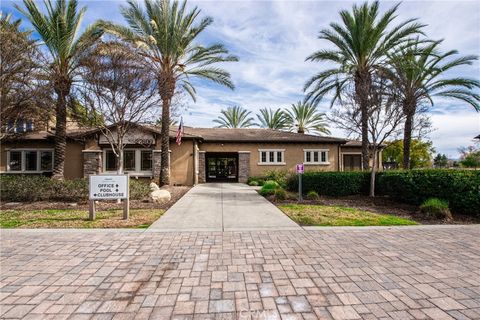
{"points": [[362, 89], [60, 135], [407, 139], [165, 143]]}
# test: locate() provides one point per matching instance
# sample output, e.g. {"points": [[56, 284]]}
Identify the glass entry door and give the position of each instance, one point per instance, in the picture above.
{"points": [[222, 167]]}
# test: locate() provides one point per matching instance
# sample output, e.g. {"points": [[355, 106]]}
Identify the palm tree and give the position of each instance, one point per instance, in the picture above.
{"points": [[360, 45], [59, 30], [165, 34], [235, 117], [417, 71], [272, 119], [304, 118]]}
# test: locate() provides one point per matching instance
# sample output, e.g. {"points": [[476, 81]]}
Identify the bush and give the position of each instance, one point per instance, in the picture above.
{"points": [[23, 188], [280, 194], [460, 188], [280, 176], [332, 183], [312, 195], [253, 183], [270, 185], [260, 180], [434, 208]]}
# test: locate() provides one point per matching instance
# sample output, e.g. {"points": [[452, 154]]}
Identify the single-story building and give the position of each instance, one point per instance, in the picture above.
{"points": [[204, 155]]}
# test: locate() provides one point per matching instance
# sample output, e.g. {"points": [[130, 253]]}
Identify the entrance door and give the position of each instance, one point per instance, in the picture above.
{"points": [[221, 167], [352, 162]]}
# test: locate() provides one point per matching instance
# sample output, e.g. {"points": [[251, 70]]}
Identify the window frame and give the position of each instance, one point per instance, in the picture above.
{"points": [[268, 157], [312, 161], [138, 166], [38, 152]]}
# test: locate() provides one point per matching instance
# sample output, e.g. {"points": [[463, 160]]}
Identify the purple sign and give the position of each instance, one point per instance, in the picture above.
{"points": [[300, 168]]}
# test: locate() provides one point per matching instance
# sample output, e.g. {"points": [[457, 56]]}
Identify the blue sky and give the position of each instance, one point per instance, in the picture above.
{"points": [[273, 38]]}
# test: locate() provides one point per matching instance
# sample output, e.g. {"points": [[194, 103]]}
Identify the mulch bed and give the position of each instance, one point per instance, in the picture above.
{"points": [[176, 193], [384, 205]]}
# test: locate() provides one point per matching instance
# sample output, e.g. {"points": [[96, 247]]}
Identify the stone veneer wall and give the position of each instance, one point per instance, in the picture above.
{"points": [[156, 162], [202, 177], [243, 166], [92, 162]]}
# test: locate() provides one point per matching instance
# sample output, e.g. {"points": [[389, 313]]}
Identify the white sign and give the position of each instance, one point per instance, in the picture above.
{"points": [[108, 187], [300, 168]]}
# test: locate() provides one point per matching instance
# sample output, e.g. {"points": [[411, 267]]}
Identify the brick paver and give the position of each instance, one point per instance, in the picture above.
{"points": [[333, 273]]}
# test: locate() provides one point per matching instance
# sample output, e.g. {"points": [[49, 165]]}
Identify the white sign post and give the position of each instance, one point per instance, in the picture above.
{"points": [[300, 170], [109, 187]]}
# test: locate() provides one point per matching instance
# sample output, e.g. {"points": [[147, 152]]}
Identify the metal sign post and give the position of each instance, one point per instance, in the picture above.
{"points": [[300, 171], [109, 187]]}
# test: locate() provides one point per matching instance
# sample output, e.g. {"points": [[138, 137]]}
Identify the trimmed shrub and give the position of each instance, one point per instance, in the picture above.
{"points": [[332, 183], [312, 195], [460, 188], [259, 180], [270, 185], [253, 183], [434, 208], [23, 188]]}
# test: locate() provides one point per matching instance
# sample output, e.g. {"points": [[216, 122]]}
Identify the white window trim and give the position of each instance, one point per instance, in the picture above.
{"points": [[268, 163], [319, 162], [23, 150], [138, 165]]}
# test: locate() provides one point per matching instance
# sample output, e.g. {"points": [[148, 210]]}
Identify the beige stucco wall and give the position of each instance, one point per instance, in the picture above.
{"points": [[73, 155], [182, 163], [293, 155]]}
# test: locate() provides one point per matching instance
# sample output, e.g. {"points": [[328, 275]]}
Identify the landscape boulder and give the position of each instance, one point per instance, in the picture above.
{"points": [[158, 195]]}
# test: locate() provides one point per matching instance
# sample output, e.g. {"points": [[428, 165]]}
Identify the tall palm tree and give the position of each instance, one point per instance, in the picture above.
{"points": [[59, 30], [235, 117], [165, 34], [418, 71], [360, 45], [271, 119], [305, 118]]}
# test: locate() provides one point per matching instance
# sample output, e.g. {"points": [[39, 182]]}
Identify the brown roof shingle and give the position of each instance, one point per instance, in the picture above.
{"points": [[256, 135]]}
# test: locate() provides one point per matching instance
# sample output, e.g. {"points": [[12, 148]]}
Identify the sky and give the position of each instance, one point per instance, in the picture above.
{"points": [[273, 38]]}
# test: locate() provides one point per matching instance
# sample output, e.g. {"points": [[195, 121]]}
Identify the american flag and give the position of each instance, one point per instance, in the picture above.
{"points": [[179, 132]]}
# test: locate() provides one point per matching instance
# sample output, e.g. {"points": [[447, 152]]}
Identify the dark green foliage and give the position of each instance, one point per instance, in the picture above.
{"points": [[434, 208], [259, 180], [461, 188], [38, 188], [312, 195], [332, 183]]}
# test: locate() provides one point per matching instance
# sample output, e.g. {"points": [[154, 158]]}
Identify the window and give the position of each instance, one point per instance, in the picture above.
{"points": [[272, 156], [110, 161], [30, 161], [129, 160], [135, 161], [15, 163], [20, 126], [146, 160], [313, 156]]}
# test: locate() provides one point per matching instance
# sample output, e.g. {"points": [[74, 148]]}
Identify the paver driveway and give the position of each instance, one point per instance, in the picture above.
{"points": [[340, 273], [223, 207]]}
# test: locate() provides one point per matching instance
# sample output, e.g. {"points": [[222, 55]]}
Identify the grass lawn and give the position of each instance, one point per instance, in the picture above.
{"points": [[319, 215], [71, 218]]}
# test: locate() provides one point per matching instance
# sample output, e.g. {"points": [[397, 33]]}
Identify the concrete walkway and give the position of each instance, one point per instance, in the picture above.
{"points": [[223, 207]]}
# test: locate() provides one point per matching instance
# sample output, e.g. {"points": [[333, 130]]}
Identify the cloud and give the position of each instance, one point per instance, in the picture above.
{"points": [[273, 38]]}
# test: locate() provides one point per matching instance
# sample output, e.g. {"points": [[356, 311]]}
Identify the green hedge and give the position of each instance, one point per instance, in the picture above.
{"points": [[332, 183], [460, 188], [25, 188]]}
